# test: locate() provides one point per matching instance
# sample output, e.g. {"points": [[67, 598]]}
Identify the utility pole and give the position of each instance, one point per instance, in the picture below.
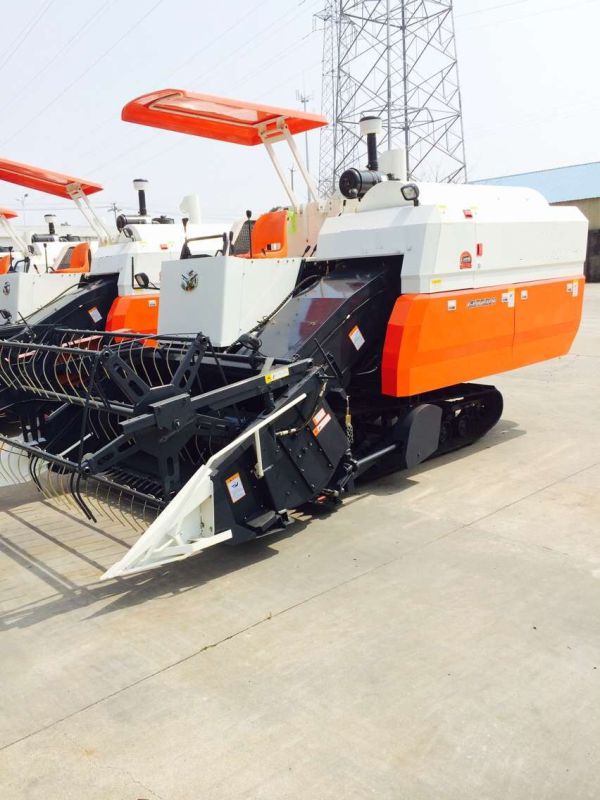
{"points": [[292, 170], [22, 198], [395, 59], [115, 209], [305, 99]]}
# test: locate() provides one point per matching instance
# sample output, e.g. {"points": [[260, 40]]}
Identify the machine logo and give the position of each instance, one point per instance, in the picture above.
{"points": [[189, 281], [484, 301], [466, 260], [6, 288]]}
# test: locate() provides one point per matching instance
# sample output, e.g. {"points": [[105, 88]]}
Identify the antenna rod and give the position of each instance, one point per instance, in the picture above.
{"points": [[304, 99]]}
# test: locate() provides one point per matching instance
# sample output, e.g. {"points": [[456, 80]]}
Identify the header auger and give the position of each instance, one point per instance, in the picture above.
{"points": [[339, 343]]}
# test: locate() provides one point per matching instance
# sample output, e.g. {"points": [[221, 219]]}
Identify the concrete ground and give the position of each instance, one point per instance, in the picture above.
{"points": [[438, 637]]}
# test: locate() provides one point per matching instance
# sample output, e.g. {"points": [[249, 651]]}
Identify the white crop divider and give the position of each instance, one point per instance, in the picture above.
{"points": [[163, 542]]}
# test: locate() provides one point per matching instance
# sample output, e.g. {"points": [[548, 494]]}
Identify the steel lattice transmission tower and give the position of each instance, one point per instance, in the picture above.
{"points": [[397, 59]]}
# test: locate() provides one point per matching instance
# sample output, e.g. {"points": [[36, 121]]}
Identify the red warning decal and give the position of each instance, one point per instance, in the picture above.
{"points": [[320, 419], [466, 260]]}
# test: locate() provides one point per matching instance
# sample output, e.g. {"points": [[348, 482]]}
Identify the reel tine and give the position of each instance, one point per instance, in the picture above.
{"points": [[6, 466], [64, 496], [22, 379], [5, 371], [107, 504], [4, 461], [54, 367], [41, 374]]}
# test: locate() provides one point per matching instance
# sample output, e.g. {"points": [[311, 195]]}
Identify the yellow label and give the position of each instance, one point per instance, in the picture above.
{"points": [[276, 375]]}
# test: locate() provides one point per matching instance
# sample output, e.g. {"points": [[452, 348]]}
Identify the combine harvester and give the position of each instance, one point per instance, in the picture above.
{"points": [[115, 289], [45, 252], [116, 284], [49, 266], [303, 371]]}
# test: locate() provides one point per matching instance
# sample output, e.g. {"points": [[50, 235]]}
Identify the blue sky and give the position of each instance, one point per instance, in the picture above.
{"points": [[527, 67]]}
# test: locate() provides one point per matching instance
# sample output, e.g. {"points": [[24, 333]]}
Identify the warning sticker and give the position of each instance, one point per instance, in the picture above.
{"points": [[466, 260], [94, 314], [277, 374], [320, 419], [318, 416], [356, 337], [235, 487]]}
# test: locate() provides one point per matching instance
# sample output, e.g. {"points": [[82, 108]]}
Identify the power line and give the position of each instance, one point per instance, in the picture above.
{"points": [[26, 31], [252, 42], [260, 33], [84, 72], [214, 41], [274, 58], [164, 150], [566, 6], [60, 52], [491, 8]]}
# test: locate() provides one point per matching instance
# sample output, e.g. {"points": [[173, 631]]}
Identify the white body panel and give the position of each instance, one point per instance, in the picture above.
{"points": [[147, 247], [41, 257], [230, 295], [522, 237], [23, 293], [143, 250]]}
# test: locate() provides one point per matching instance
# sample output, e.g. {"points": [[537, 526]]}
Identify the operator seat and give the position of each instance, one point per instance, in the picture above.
{"points": [[269, 235], [4, 265], [79, 259]]}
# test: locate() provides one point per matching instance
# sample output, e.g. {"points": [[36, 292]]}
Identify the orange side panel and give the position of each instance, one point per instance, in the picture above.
{"points": [[547, 316], [438, 340], [137, 314], [4, 264]]}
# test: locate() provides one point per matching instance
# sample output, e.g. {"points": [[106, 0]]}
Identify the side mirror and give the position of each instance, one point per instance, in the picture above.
{"points": [[142, 280], [410, 192]]}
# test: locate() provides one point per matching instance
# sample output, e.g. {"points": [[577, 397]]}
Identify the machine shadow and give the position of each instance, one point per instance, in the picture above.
{"points": [[19, 494], [173, 579], [210, 565]]}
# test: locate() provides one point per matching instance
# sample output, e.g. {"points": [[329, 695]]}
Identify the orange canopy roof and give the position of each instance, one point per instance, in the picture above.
{"points": [[8, 213], [219, 118], [44, 180]]}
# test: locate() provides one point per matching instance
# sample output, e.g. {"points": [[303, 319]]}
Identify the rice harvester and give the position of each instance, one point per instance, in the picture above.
{"points": [[347, 337]]}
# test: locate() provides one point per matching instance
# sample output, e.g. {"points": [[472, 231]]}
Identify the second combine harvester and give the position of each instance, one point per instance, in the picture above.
{"points": [[344, 338]]}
